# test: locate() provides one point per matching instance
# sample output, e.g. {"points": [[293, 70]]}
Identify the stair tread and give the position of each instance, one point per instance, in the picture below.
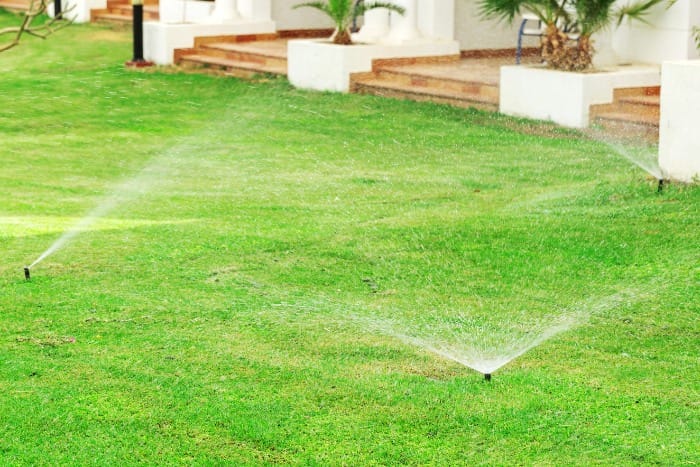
{"points": [[652, 120], [425, 90], [428, 74], [113, 16], [227, 62], [263, 48], [651, 101]]}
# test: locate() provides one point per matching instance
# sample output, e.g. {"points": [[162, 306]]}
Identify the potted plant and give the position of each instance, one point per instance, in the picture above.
{"points": [[343, 12], [569, 24]]}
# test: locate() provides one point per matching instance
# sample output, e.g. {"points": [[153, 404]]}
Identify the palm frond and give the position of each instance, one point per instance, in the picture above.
{"points": [[637, 10], [362, 7], [323, 6]]}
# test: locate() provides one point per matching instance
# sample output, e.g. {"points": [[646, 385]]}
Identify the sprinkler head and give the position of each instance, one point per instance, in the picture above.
{"points": [[26, 273], [487, 377], [661, 186]]}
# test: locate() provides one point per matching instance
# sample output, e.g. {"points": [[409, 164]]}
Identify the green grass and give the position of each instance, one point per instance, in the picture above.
{"points": [[222, 312]]}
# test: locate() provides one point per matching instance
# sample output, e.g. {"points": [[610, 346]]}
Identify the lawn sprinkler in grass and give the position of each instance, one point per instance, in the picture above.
{"points": [[482, 346], [127, 190], [27, 275], [646, 158]]}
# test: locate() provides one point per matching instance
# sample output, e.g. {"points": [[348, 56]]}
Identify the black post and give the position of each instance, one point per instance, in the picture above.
{"points": [[137, 11], [57, 10]]}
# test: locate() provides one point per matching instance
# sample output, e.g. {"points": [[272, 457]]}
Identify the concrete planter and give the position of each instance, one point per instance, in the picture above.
{"points": [[324, 66], [679, 138], [565, 97]]}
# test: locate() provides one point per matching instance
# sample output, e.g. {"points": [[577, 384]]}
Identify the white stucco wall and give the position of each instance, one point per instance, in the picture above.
{"points": [[474, 32], [679, 139], [665, 36], [288, 18]]}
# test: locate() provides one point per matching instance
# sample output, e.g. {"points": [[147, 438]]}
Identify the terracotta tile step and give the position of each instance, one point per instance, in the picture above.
{"points": [[15, 5], [275, 49], [418, 80], [630, 111], [639, 91], [628, 118], [232, 52], [111, 17], [228, 66], [646, 100], [623, 129], [381, 87]]}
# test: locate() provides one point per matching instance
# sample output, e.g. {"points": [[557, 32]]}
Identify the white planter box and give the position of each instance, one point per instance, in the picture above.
{"points": [[565, 97], [323, 66], [679, 135]]}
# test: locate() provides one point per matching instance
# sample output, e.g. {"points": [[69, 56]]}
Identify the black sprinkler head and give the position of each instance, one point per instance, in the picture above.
{"points": [[487, 376], [661, 186], [26, 273]]}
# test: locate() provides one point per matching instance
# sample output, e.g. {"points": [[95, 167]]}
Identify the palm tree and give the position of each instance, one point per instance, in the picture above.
{"points": [[342, 12], [566, 42]]}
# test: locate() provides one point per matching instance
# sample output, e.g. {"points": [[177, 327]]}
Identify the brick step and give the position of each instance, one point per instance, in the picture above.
{"points": [[624, 126], [629, 118], [487, 92], [228, 67], [631, 111], [638, 91], [127, 10], [251, 53], [438, 94], [15, 5], [120, 12]]}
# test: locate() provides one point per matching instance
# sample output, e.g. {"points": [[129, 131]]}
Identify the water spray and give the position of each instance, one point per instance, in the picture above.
{"points": [[27, 276]]}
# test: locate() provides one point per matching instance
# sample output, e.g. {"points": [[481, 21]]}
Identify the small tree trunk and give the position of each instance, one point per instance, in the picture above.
{"points": [[563, 53], [342, 37]]}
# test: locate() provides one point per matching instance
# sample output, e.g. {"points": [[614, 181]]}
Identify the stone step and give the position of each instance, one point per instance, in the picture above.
{"points": [[16, 6], [634, 113], [254, 53], [121, 12], [624, 125], [482, 91], [228, 67], [438, 94]]}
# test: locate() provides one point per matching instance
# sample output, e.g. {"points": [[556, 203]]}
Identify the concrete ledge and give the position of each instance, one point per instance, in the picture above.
{"points": [[679, 138], [160, 39], [565, 97], [323, 66]]}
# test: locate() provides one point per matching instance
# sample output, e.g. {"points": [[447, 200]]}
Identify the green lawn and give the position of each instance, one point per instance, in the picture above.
{"points": [[257, 251]]}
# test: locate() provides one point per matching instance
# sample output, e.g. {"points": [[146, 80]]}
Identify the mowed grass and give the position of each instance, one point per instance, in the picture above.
{"points": [[249, 240]]}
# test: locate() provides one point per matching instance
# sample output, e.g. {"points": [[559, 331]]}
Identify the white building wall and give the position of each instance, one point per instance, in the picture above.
{"points": [[473, 32], [288, 18], [667, 35]]}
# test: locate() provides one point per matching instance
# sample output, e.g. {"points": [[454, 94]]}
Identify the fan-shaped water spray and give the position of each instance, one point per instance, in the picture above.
{"points": [[486, 346]]}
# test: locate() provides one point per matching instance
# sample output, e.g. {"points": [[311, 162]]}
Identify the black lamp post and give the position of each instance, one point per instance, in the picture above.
{"points": [[57, 9], [138, 61]]}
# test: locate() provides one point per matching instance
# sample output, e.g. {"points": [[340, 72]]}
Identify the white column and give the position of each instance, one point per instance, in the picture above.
{"points": [[375, 26], [679, 139], [224, 11], [404, 28]]}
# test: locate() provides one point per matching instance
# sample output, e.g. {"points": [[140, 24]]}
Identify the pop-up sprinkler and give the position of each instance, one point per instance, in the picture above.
{"points": [[661, 185], [26, 273], [487, 377]]}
